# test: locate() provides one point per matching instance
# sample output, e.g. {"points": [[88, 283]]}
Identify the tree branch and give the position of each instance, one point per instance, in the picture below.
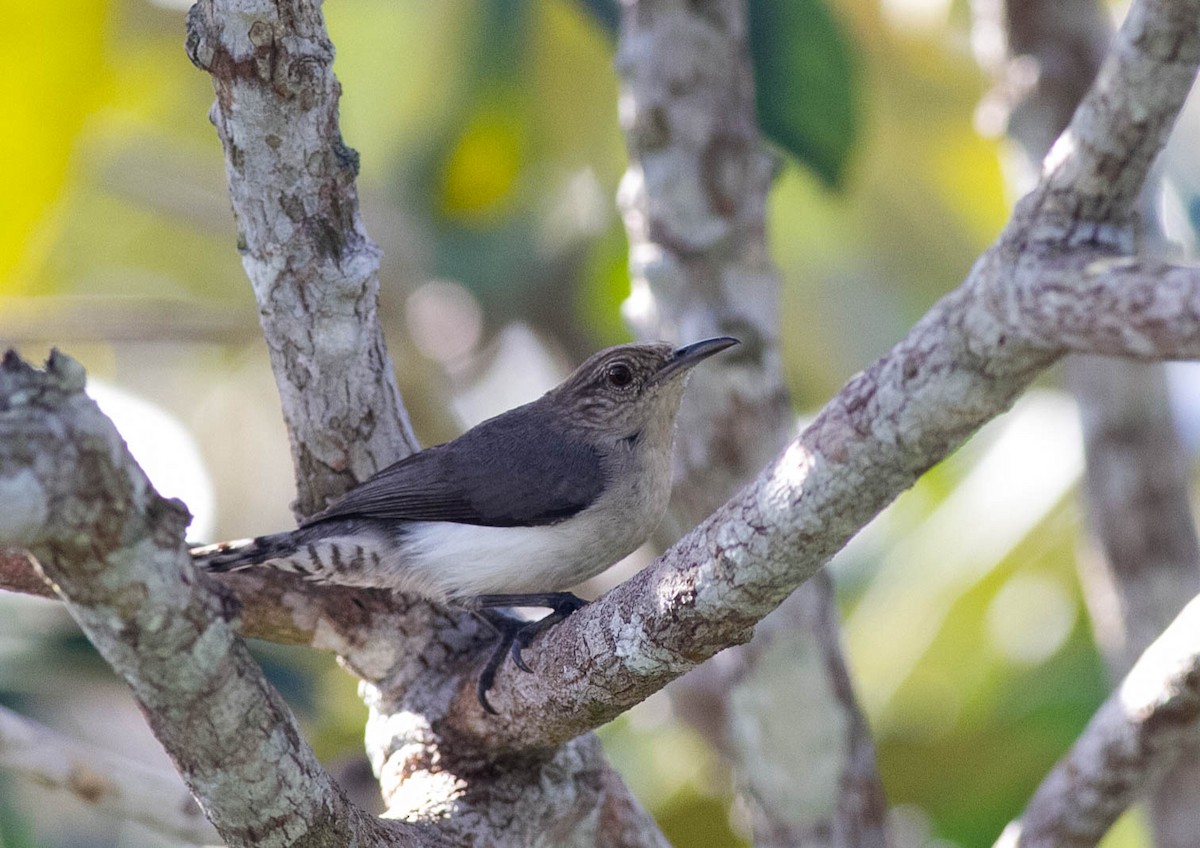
{"points": [[315, 276], [965, 362], [1137, 486], [1129, 307], [1095, 171], [115, 785], [114, 551], [1132, 740]]}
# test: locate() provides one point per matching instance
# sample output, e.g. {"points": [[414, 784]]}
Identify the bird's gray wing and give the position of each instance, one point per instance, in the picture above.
{"points": [[509, 471]]}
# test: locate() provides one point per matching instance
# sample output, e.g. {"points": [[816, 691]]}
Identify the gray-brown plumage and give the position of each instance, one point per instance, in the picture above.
{"points": [[516, 510]]}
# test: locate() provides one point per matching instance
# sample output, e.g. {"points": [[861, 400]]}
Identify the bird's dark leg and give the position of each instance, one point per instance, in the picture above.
{"points": [[566, 605], [507, 629], [515, 634]]}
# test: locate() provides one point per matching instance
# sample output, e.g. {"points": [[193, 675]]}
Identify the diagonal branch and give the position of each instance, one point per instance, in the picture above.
{"points": [[965, 362], [1137, 479], [1131, 741], [1095, 171], [114, 551]]}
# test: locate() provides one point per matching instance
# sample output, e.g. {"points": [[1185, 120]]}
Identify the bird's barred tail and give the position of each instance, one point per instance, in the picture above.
{"points": [[245, 553]]}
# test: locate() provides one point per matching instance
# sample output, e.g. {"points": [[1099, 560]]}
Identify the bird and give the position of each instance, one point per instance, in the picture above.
{"points": [[515, 511]]}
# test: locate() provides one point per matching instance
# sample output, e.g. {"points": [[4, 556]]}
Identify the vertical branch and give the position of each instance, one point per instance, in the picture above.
{"points": [[314, 270], [694, 203]]}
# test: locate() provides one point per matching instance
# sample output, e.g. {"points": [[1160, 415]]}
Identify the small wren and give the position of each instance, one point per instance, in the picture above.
{"points": [[513, 512]]}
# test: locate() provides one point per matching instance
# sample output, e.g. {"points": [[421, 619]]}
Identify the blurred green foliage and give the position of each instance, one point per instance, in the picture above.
{"points": [[490, 156], [805, 83]]}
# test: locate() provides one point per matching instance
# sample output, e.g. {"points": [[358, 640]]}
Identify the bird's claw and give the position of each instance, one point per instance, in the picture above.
{"points": [[515, 636], [517, 646]]}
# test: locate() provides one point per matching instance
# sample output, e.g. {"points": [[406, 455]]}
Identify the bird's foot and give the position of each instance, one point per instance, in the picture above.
{"points": [[516, 634]]}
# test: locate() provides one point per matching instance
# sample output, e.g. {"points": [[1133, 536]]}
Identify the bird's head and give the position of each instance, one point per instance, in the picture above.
{"points": [[632, 389]]}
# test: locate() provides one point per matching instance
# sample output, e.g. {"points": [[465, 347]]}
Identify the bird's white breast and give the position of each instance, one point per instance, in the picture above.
{"points": [[462, 560]]}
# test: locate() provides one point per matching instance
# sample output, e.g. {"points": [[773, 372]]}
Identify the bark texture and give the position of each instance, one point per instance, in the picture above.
{"points": [[314, 270], [694, 203]]}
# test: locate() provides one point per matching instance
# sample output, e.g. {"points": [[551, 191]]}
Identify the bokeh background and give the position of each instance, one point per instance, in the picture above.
{"points": [[490, 158]]}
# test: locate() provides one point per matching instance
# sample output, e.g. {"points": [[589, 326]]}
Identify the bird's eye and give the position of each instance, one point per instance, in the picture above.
{"points": [[619, 375]]}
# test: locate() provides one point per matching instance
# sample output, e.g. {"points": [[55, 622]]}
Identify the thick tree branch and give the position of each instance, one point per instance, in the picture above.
{"points": [[112, 784], [1129, 307], [1095, 171], [1132, 740], [964, 363], [114, 551]]}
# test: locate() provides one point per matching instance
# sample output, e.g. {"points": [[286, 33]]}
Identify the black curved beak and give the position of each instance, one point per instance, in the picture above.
{"points": [[689, 356]]}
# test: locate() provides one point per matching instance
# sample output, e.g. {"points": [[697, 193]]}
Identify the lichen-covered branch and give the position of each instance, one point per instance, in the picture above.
{"points": [[114, 551], [1131, 741], [1137, 484], [315, 276], [110, 783]]}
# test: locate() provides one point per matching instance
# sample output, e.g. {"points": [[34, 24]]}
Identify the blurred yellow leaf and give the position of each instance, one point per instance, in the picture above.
{"points": [[480, 174], [51, 67]]}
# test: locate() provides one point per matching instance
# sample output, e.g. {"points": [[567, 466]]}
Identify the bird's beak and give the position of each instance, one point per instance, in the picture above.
{"points": [[688, 356]]}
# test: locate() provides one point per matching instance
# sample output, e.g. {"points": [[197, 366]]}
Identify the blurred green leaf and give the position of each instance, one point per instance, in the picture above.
{"points": [[14, 830], [805, 80], [805, 83]]}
